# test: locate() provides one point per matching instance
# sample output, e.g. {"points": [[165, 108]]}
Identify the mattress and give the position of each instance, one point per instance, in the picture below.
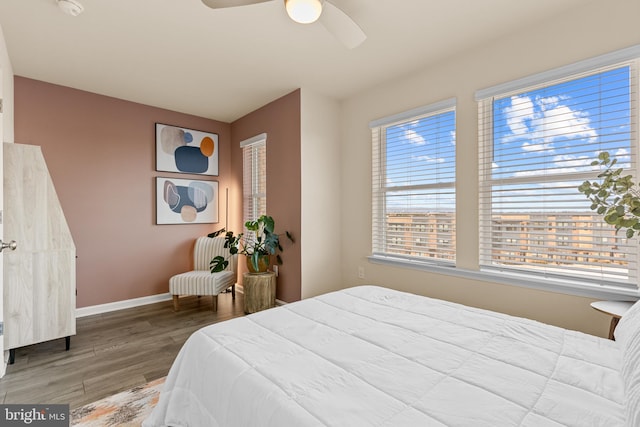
{"points": [[371, 356]]}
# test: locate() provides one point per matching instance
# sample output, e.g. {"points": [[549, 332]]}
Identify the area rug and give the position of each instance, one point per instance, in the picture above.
{"points": [[128, 408]]}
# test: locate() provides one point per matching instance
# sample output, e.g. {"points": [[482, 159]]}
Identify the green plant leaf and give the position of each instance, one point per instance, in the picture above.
{"points": [[290, 236], [216, 233], [218, 264], [269, 223], [265, 241], [255, 260]]}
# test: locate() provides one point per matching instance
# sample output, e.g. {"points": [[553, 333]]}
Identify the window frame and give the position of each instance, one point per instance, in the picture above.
{"points": [[255, 144], [380, 189], [486, 182]]}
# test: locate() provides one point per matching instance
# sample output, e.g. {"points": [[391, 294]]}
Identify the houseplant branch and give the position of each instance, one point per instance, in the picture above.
{"points": [[616, 197], [263, 243]]}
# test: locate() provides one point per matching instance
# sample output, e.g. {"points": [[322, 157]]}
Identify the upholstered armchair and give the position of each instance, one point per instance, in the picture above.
{"points": [[201, 281]]}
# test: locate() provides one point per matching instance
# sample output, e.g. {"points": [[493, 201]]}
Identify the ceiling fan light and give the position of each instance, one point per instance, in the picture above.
{"points": [[304, 11], [70, 7]]}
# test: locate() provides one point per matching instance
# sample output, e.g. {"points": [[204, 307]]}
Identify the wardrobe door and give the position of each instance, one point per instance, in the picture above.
{"points": [[39, 275]]}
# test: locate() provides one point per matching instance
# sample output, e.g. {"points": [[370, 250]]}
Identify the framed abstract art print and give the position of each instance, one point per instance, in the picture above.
{"points": [[186, 201], [186, 150]]}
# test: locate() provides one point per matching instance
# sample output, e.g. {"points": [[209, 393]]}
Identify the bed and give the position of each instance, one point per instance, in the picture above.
{"points": [[371, 356]]}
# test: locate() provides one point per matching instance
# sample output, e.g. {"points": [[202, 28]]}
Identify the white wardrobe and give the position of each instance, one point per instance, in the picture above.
{"points": [[40, 275]]}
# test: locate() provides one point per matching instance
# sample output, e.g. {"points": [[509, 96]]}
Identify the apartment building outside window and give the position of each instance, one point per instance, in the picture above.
{"points": [[414, 185]]}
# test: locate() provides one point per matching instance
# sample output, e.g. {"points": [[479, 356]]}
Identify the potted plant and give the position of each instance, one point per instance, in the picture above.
{"points": [[258, 248], [617, 197]]}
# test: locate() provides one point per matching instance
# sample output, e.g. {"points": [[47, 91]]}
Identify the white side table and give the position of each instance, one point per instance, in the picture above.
{"points": [[615, 309]]}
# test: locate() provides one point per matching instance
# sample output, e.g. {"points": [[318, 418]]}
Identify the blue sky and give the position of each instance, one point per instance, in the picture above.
{"points": [[422, 153], [556, 129], [562, 126]]}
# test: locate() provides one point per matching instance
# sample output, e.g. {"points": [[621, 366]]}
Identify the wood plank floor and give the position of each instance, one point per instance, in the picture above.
{"points": [[111, 352]]}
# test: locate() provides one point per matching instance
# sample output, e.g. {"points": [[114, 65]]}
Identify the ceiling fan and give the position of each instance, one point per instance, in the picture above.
{"points": [[330, 16]]}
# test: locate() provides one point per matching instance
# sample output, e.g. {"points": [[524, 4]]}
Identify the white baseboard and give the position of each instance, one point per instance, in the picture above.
{"points": [[278, 302], [121, 305], [135, 302]]}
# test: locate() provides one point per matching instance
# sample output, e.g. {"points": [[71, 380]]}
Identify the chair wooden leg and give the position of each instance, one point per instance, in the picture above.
{"points": [[233, 291], [215, 302], [176, 304]]}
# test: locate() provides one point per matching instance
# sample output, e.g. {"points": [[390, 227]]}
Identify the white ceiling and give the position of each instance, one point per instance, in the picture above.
{"points": [[222, 64]]}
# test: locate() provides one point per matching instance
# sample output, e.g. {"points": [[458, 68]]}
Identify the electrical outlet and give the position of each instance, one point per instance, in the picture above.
{"points": [[361, 272], [275, 270]]}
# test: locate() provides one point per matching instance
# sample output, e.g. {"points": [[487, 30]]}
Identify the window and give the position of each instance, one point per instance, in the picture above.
{"points": [[414, 185], [254, 181], [537, 142]]}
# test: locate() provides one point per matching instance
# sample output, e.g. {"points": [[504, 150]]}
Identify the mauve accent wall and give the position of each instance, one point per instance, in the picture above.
{"points": [[100, 152], [280, 120]]}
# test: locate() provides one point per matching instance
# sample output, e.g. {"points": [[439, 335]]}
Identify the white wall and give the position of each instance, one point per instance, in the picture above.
{"points": [[6, 134], [321, 180], [594, 29], [6, 92]]}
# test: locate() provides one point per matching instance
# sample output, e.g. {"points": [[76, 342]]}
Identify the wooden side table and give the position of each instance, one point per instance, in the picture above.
{"points": [[259, 291], [615, 309]]}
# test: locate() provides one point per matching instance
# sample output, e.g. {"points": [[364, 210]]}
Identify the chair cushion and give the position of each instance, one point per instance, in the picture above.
{"points": [[201, 283], [206, 248]]}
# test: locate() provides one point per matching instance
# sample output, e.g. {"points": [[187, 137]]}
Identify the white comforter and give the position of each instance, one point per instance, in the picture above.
{"points": [[369, 356]]}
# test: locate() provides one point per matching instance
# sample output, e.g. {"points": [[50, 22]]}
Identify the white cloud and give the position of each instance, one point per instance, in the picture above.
{"points": [[572, 163], [528, 146], [549, 101], [535, 172], [563, 122], [545, 120], [428, 159], [518, 113], [414, 137], [561, 164], [623, 156]]}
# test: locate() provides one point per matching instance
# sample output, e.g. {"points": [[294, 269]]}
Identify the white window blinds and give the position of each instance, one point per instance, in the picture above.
{"points": [[536, 147], [254, 182], [414, 185]]}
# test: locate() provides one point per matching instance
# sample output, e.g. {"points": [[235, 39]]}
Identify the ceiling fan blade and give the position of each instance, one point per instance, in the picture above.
{"points": [[219, 4], [341, 26]]}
